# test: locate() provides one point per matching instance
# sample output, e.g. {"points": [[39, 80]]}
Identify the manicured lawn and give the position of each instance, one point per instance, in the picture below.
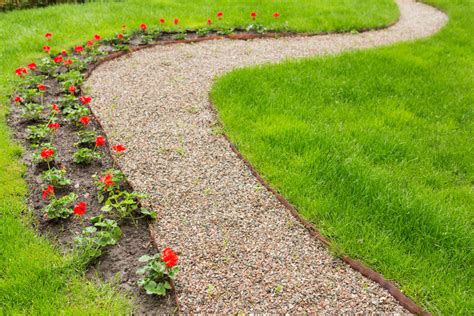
{"points": [[33, 276], [375, 148]]}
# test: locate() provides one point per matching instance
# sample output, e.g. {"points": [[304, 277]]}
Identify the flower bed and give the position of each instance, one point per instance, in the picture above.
{"points": [[76, 189]]}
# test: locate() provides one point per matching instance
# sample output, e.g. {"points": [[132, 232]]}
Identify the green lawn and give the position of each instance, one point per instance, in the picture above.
{"points": [[376, 148], [33, 276]]}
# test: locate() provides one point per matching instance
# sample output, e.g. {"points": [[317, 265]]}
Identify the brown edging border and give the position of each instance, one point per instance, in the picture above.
{"points": [[357, 265]]}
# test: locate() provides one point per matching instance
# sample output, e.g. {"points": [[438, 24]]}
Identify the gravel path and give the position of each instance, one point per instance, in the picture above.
{"points": [[240, 249]]}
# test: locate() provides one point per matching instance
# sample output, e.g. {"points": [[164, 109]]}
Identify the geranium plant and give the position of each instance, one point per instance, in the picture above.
{"points": [[60, 208], [157, 273], [109, 181], [32, 111], [124, 204], [37, 133], [56, 177], [85, 156], [103, 232]]}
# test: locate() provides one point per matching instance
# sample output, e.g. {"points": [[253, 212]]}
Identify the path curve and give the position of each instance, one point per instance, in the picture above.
{"points": [[240, 249]]}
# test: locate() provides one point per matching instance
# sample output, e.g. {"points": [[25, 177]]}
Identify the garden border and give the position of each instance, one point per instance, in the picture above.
{"points": [[356, 265]]}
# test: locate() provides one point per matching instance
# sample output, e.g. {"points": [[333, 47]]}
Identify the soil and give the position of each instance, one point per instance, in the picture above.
{"points": [[118, 262]]}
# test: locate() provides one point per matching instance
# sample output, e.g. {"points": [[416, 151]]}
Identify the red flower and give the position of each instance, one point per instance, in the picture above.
{"points": [[143, 26], [49, 191], [41, 87], [85, 120], [85, 99], [55, 107], [169, 257], [47, 153], [176, 21], [80, 208], [119, 148], [64, 53], [48, 35], [78, 49], [220, 15], [68, 62], [46, 48], [100, 141], [97, 37], [18, 99], [54, 125], [253, 15], [209, 22], [276, 15], [72, 89], [119, 35], [32, 66], [162, 21], [58, 59], [107, 180], [21, 71], [90, 42]]}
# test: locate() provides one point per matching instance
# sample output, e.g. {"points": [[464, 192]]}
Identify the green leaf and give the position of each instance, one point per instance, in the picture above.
{"points": [[145, 258]]}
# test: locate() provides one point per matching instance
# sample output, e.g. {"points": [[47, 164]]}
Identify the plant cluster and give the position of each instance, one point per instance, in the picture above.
{"points": [[158, 271]]}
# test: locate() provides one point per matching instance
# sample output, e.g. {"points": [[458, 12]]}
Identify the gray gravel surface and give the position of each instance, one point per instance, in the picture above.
{"points": [[240, 249]]}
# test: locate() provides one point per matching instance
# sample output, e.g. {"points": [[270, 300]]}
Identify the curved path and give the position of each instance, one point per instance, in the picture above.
{"points": [[240, 249]]}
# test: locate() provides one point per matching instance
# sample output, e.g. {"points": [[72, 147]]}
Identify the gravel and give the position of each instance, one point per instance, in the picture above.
{"points": [[240, 250]]}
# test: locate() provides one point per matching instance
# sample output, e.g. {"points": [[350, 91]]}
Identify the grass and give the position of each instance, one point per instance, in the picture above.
{"points": [[375, 147], [34, 277]]}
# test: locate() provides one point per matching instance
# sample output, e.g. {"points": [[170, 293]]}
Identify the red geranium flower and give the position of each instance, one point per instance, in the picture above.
{"points": [[162, 21], [41, 87], [18, 99], [68, 62], [85, 120], [253, 15], [54, 125], [48, 35], [46, 48], [72, 89], [55, 107], [32, 66], [80, 208], [176, 21], [58, 59], [21, 71], [169, 257], [107, 180], [49, 191], [90, 42], [47, 153], [78, 49], [209, 22], [143, 26], [97, 37], [85, 99], [100, 141], [119, 35], [119, 148], [64, 53], [220, 15], [276, 15]]}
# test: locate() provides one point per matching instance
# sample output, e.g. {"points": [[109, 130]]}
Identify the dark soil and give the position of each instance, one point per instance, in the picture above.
{"points": [[117, 262]]}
